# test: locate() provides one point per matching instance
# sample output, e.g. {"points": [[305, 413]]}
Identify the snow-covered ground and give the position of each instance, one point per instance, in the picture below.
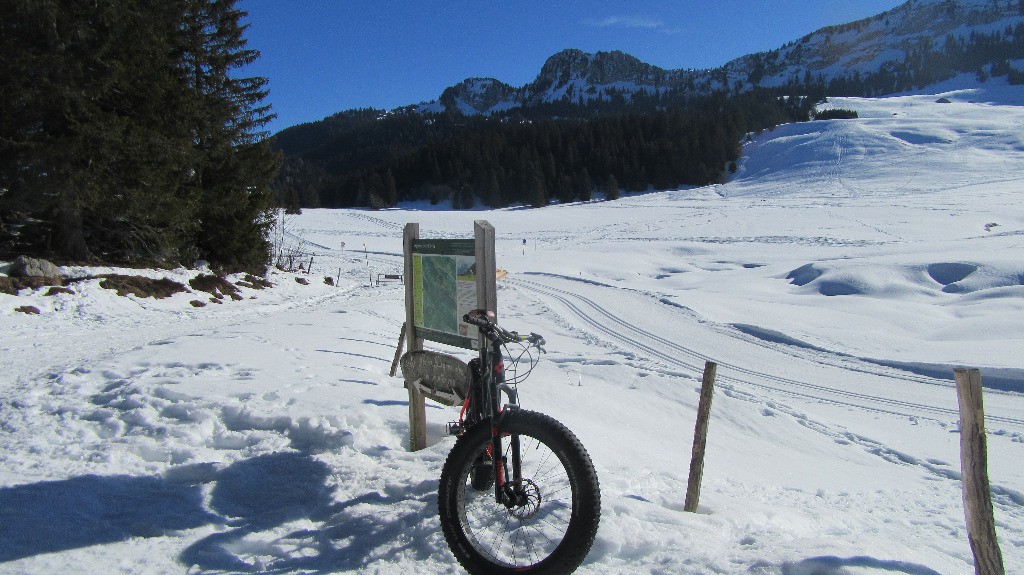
{"points": [[837, 280]]}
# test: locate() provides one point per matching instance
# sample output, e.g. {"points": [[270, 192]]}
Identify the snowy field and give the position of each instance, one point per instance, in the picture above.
{"points": [[837, 280]]}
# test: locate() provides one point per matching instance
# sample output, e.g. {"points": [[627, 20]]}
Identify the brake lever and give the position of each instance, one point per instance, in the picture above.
{"points": [[537, 341]]}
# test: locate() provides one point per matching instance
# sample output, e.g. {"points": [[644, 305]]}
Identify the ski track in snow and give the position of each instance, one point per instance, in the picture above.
{"points": [[672, 355]]}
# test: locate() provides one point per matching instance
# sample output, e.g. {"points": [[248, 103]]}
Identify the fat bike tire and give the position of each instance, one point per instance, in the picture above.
{"points": [[553, 527]]}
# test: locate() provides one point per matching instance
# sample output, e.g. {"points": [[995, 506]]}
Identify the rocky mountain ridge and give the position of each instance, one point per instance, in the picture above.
{"points": [[880, 43]]}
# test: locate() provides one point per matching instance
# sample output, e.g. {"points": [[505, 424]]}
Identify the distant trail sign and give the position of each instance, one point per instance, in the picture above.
{"points": [[444, 287]]}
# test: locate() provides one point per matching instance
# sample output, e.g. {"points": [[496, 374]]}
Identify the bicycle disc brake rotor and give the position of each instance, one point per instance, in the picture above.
{"points": [[526, 502]]}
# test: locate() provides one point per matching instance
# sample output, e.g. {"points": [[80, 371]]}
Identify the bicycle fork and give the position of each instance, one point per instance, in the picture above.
{"points": [[505, 490]]}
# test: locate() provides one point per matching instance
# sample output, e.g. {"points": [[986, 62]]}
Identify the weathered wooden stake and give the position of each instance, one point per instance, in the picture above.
{"points": [[700, 436], [398, 351], [977, 495]]}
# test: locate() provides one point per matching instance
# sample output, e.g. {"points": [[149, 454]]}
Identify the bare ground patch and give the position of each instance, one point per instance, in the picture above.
{"points": [[141, 286], [216, 286]]}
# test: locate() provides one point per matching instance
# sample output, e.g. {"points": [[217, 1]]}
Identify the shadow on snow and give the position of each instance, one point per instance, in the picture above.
{"points": [[832, 565], [251, 499], [53, 516]]}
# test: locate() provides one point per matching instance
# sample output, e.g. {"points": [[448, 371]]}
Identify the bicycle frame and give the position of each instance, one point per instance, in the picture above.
{"points": [[483, 402]]}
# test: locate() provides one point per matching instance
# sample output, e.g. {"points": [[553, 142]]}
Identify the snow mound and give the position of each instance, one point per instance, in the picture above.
{"points": [[851, 278]]}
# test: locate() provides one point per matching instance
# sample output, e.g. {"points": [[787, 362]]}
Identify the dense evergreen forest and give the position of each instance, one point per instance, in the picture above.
{"points": [[378, 159], [127, 137], [566, 151]]}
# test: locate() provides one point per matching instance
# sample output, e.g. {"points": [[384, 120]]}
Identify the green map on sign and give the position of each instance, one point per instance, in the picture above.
{"points": [[439, 274], [444, 290]]}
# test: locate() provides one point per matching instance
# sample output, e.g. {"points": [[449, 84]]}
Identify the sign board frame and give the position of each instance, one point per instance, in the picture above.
{"points": [[440, 275], [486, 298]]}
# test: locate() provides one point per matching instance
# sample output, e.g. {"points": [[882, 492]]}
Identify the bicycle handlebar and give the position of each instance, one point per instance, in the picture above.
{"points": [[482, 319]]}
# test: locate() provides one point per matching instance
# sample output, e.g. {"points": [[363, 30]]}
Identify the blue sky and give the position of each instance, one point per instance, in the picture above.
{"points": [[324, 56]]}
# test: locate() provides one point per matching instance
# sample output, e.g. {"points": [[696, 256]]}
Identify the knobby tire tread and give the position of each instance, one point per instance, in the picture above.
{"points": [[582, 530]]}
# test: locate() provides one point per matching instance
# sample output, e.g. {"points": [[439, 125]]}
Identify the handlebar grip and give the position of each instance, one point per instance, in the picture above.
{"points": [[479, 317], [537, 340]]}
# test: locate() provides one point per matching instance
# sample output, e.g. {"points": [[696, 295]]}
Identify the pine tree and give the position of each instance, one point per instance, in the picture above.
{"points": [[611, 188], [45, 100], [124, 132], [584, 185], [90, 136], [533, 181], [390, 189], [235, 164]]}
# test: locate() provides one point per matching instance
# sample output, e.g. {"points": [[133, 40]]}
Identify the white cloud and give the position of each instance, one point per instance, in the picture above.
{"points": [[627, 22]]}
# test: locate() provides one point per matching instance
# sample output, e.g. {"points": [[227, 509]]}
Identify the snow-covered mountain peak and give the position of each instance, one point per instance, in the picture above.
{"points": [[477, 96], [580, 76], [906, 36], [905, 46]]}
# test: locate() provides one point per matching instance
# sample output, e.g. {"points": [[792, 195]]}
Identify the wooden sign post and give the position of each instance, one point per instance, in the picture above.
{"points": [[413, 342], [486, 269]]}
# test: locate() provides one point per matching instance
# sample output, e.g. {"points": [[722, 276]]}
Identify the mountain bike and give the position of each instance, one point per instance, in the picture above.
{"points": [[518, 492]]}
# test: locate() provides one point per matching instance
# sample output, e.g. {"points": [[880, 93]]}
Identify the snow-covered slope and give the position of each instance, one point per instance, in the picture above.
{"points": [[872, 44], [836, 280]]}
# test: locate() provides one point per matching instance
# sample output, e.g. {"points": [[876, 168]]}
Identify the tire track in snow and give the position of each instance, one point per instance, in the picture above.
{"points": [[671, 354]]}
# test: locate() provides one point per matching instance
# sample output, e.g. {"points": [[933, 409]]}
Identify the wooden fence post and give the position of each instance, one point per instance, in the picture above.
{"points": [[977, 495], [700, 436]]}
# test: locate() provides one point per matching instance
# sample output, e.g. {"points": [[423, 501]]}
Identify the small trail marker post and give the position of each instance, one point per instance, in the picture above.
{"points": [[977, 494], [700, 436]]}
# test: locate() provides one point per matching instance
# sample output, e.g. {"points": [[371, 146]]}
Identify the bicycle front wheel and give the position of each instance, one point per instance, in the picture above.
{"points": [[547, 525]]}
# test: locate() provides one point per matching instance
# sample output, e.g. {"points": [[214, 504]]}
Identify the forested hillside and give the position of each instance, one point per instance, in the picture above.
{"points": [[382, 159]]}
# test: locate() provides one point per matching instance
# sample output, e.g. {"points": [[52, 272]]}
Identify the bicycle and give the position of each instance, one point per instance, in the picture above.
{"points": [[518, 492]]}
